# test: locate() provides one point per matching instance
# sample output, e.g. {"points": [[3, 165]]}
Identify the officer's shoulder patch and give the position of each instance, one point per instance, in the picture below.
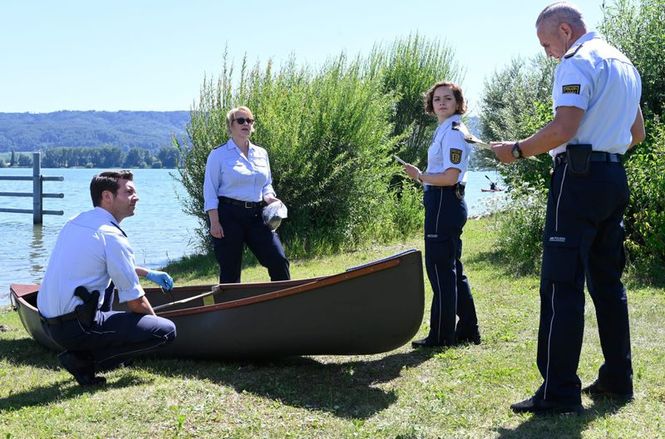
{"points": [[456, 126], [455, 155], [571, 88]]}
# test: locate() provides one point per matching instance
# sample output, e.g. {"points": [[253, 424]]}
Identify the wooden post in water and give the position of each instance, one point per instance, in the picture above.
{"points": [[36, 189]]}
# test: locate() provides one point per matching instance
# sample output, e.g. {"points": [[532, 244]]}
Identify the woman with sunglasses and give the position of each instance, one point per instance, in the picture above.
{"points": [[445, 216], [236, 187]]}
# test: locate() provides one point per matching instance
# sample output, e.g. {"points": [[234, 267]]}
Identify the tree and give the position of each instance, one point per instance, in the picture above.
{"points": [[408, 68], [638, 29], [517, 102], [137, 158], [24, 160], [168, 156]]}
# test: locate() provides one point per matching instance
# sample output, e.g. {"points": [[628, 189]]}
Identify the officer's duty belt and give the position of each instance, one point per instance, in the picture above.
{"points": [[596, 156], [459, 188], [240, 203], [59, 319]]}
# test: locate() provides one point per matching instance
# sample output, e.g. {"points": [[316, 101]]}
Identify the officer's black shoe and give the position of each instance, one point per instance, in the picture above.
{"points": [[427, 343], [473, 338], [596, 390], [542, 407], [81, 368]]}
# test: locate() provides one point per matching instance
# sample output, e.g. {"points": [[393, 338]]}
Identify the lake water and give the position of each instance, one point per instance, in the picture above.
{"points": [[159, 231]]}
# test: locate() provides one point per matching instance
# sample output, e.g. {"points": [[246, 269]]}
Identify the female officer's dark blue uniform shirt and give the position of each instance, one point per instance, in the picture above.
{"points": [[594, 76]]}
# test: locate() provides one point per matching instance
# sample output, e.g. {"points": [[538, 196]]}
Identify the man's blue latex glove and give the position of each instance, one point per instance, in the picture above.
{"points": [[160, 278]]}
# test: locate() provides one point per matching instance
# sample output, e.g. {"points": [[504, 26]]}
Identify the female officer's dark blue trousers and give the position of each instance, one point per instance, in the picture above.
{"points": [[245, 226], [114, 337], [583, 237], [445, 216]]}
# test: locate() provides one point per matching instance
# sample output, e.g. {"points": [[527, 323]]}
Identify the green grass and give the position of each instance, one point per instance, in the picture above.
{"points": [[459, 392]]}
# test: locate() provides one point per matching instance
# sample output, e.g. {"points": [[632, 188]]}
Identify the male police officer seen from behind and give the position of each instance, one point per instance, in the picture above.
{"points": [[92, 251], [597, 118], [445, 216], [237, 185]]}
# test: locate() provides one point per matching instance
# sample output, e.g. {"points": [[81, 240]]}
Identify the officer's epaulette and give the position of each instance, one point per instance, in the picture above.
{"points": [[468, 137], [569, 55]]}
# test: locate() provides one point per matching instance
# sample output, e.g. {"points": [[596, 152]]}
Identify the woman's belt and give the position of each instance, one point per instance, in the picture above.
{"points": [[458, 188], [240, 203]]}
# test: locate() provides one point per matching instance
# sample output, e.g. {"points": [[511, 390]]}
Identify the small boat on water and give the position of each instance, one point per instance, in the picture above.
{"points": [[491, 190], [369, 309]]}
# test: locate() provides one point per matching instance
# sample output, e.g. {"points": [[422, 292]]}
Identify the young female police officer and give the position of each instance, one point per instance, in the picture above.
{"points": [[445, 216], [237, 185]]}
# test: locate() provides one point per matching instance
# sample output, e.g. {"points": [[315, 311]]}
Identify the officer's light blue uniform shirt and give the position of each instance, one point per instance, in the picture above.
{"points": [[448, 149], [230, 174], [602, 81], [89, 252]]}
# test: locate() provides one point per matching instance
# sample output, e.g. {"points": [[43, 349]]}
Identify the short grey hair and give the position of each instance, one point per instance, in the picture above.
{"points": [[562, 12]]}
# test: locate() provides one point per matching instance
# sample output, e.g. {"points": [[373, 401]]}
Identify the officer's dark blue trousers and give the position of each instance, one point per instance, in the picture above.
{"points": [[445, 216], [115, 336], [245, 226], [583, 238]]}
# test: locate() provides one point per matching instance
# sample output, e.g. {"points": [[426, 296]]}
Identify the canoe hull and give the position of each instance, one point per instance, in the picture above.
{"points": [[368, 310]]}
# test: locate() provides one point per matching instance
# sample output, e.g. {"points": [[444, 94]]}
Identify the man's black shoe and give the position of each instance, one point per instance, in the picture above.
{"points": [[468, 338], [542, 407], [596, 390], [427, 343], [81, 368]]}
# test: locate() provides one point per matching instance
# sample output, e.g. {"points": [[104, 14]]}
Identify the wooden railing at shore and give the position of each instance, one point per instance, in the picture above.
{"points": [[37, 193]]}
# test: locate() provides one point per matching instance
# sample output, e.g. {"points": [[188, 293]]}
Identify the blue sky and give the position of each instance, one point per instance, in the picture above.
{"points": [[153, 54]]}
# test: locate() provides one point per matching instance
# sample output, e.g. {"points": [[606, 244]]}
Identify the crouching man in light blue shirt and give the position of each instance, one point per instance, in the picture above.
{"points": [[92, 255]]}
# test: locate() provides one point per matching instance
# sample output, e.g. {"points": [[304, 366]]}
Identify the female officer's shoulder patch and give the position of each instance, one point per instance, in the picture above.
{"points": [[455, 156]]}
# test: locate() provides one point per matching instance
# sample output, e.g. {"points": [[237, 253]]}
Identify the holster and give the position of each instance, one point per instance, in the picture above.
{"points": [[86, 312], [459, 190], [579, 159]]}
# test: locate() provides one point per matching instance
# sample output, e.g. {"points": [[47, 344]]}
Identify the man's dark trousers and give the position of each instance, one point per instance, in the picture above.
{"points": [[583, 238]]}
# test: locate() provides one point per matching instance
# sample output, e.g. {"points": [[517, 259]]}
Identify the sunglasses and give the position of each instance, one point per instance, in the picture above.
{"points": [[242, 120]]}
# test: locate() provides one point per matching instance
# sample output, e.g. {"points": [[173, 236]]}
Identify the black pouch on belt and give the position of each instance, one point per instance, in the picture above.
{"points": [[459, 190], [579, 159], [86, 312]]}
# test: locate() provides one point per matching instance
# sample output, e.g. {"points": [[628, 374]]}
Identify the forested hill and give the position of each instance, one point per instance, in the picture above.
{"points": [[125, 129]]}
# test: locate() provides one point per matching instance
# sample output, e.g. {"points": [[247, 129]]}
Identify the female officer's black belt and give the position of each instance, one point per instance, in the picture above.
{"points": [[458, 188], [240, 203], [596, 156]]}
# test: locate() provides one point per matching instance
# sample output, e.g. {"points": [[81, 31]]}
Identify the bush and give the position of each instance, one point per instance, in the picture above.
{"points": [[330, 136], [639, 31], [516, 103], [520, 227], [408, 68], [645, 216]]}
